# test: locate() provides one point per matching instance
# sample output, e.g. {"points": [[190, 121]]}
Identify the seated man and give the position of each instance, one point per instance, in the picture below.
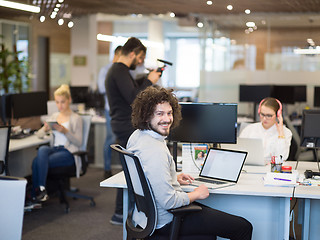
{"points": [[154, 112]]}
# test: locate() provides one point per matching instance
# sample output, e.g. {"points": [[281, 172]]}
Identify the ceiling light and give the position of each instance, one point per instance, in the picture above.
{"points": [[20, 6], [42, 18], [70, 24], [250, 24], [263, 22], [60, 21], [250, 29], [58, 5], [53, 15], [60, 1], [56, 9], [230, 7], [172, 14], [246, 31], [247, 11], [200, 25], [209, 2]]}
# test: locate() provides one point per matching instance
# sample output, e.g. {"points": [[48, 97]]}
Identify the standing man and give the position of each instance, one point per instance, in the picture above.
{"points": [[121, 91], [110, 137], [154, 112]]}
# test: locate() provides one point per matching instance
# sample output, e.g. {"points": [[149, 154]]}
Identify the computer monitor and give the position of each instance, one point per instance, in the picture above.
{"points": [[206, 123], [310, 129], [254, 93], [28, 104], [79, 94], [300, 93], [284, 93], [316, 97]]}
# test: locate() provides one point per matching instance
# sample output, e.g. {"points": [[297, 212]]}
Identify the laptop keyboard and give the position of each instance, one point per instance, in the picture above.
{"points": [[209, 181]]}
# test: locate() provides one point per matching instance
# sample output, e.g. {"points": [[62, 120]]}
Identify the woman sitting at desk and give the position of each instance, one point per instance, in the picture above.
{"points": [[276, 138], [67, 138]]}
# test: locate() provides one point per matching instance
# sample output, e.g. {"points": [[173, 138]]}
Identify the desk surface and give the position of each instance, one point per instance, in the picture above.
{"points": [[33, 140], [248, 184]]}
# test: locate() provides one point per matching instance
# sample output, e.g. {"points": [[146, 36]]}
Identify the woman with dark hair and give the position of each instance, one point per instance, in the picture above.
{"points": [[275, 136]]}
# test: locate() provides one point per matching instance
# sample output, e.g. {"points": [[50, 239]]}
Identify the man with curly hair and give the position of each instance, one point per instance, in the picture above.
{"points": [[154, 112]]}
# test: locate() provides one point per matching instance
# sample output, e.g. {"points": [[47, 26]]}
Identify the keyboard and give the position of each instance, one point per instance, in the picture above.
{"points": [[209, 181], [20, 135]]}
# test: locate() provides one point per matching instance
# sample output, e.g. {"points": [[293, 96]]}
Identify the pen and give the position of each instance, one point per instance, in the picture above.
{"points": [[282, 179]]}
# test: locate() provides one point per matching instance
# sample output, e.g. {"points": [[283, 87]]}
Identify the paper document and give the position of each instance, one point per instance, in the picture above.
{"points": [[280, 179]]}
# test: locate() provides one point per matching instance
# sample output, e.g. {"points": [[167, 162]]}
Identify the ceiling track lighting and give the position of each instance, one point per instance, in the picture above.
{"points": [[20, 6]]}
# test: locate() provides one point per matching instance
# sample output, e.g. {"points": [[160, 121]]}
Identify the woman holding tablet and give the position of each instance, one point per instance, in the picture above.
{"points": [[275, 136], [66, 127]]}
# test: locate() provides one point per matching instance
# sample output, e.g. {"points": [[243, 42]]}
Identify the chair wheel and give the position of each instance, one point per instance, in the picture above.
{"points": [[92, 203]]}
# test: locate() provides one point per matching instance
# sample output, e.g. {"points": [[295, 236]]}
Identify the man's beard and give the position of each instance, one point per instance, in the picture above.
{"points": [[133, 65], [162, 134]]}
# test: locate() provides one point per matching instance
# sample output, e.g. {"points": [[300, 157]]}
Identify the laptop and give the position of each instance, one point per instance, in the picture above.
{"points": [[221, 168], [253, 146]]}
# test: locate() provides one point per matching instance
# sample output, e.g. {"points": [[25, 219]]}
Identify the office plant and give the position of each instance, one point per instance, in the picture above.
{"points": [[14, 72]]}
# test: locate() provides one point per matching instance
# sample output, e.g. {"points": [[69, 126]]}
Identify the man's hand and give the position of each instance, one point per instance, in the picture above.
{"points": [[184, 178], [154, 76], [200, 192]]}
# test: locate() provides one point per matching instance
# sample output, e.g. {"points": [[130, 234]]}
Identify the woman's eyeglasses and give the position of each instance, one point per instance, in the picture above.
{"points": [[266, 116]]}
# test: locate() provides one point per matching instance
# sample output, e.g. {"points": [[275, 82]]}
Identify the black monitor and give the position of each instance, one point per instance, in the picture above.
{"points": [[254, 93], [316, 97], [300, 93], [28, 104], [284, 93], [206, 123], [79, 94], [310, 129]]}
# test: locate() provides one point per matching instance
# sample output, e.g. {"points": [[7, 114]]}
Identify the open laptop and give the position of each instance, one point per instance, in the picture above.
{"points": [[254, 148], [221, 168]]}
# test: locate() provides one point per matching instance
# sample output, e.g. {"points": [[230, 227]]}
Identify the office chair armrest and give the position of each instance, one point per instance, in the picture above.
{"points": [[80, 153], [2, 166], [185, 209]]}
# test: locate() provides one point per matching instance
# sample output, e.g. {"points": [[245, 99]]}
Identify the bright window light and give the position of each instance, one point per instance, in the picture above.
{"points": [[20, 6]]}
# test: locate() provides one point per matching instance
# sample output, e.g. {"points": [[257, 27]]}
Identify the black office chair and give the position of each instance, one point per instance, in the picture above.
{"points": [[139, 186], [60, 176], [4, 148]]}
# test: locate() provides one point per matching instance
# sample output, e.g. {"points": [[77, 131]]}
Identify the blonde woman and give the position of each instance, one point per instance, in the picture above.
{"points": [[66, 139]]}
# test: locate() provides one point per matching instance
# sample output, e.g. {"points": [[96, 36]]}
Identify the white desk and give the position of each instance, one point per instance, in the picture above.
{"points": [[21, 154], [267, 208], [309, 204]]}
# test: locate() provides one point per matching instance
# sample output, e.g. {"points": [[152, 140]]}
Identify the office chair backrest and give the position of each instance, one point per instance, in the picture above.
{"points": [[4, 148], [295, 148], [86, 123], [139, 185]]}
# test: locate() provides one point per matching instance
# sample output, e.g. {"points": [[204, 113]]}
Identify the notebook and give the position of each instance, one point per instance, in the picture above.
{"points": [[221, 168], [253, 146]]}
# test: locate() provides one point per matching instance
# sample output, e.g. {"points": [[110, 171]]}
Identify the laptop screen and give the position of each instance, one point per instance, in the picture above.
{"points": [[223, 164]]}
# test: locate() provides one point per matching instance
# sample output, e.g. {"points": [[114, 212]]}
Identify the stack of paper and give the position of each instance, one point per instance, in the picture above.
{"points": [[280, 179]]}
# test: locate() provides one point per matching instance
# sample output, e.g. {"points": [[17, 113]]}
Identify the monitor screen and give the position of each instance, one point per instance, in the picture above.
{"points": [[284, 93], [310, 128], [254, 93], [79, 94], [28, 104], [316, 97], [206, 123], [300, 93]]}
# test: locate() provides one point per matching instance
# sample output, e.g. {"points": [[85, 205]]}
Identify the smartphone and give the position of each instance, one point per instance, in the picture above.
{"points": [[51, 123]]}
